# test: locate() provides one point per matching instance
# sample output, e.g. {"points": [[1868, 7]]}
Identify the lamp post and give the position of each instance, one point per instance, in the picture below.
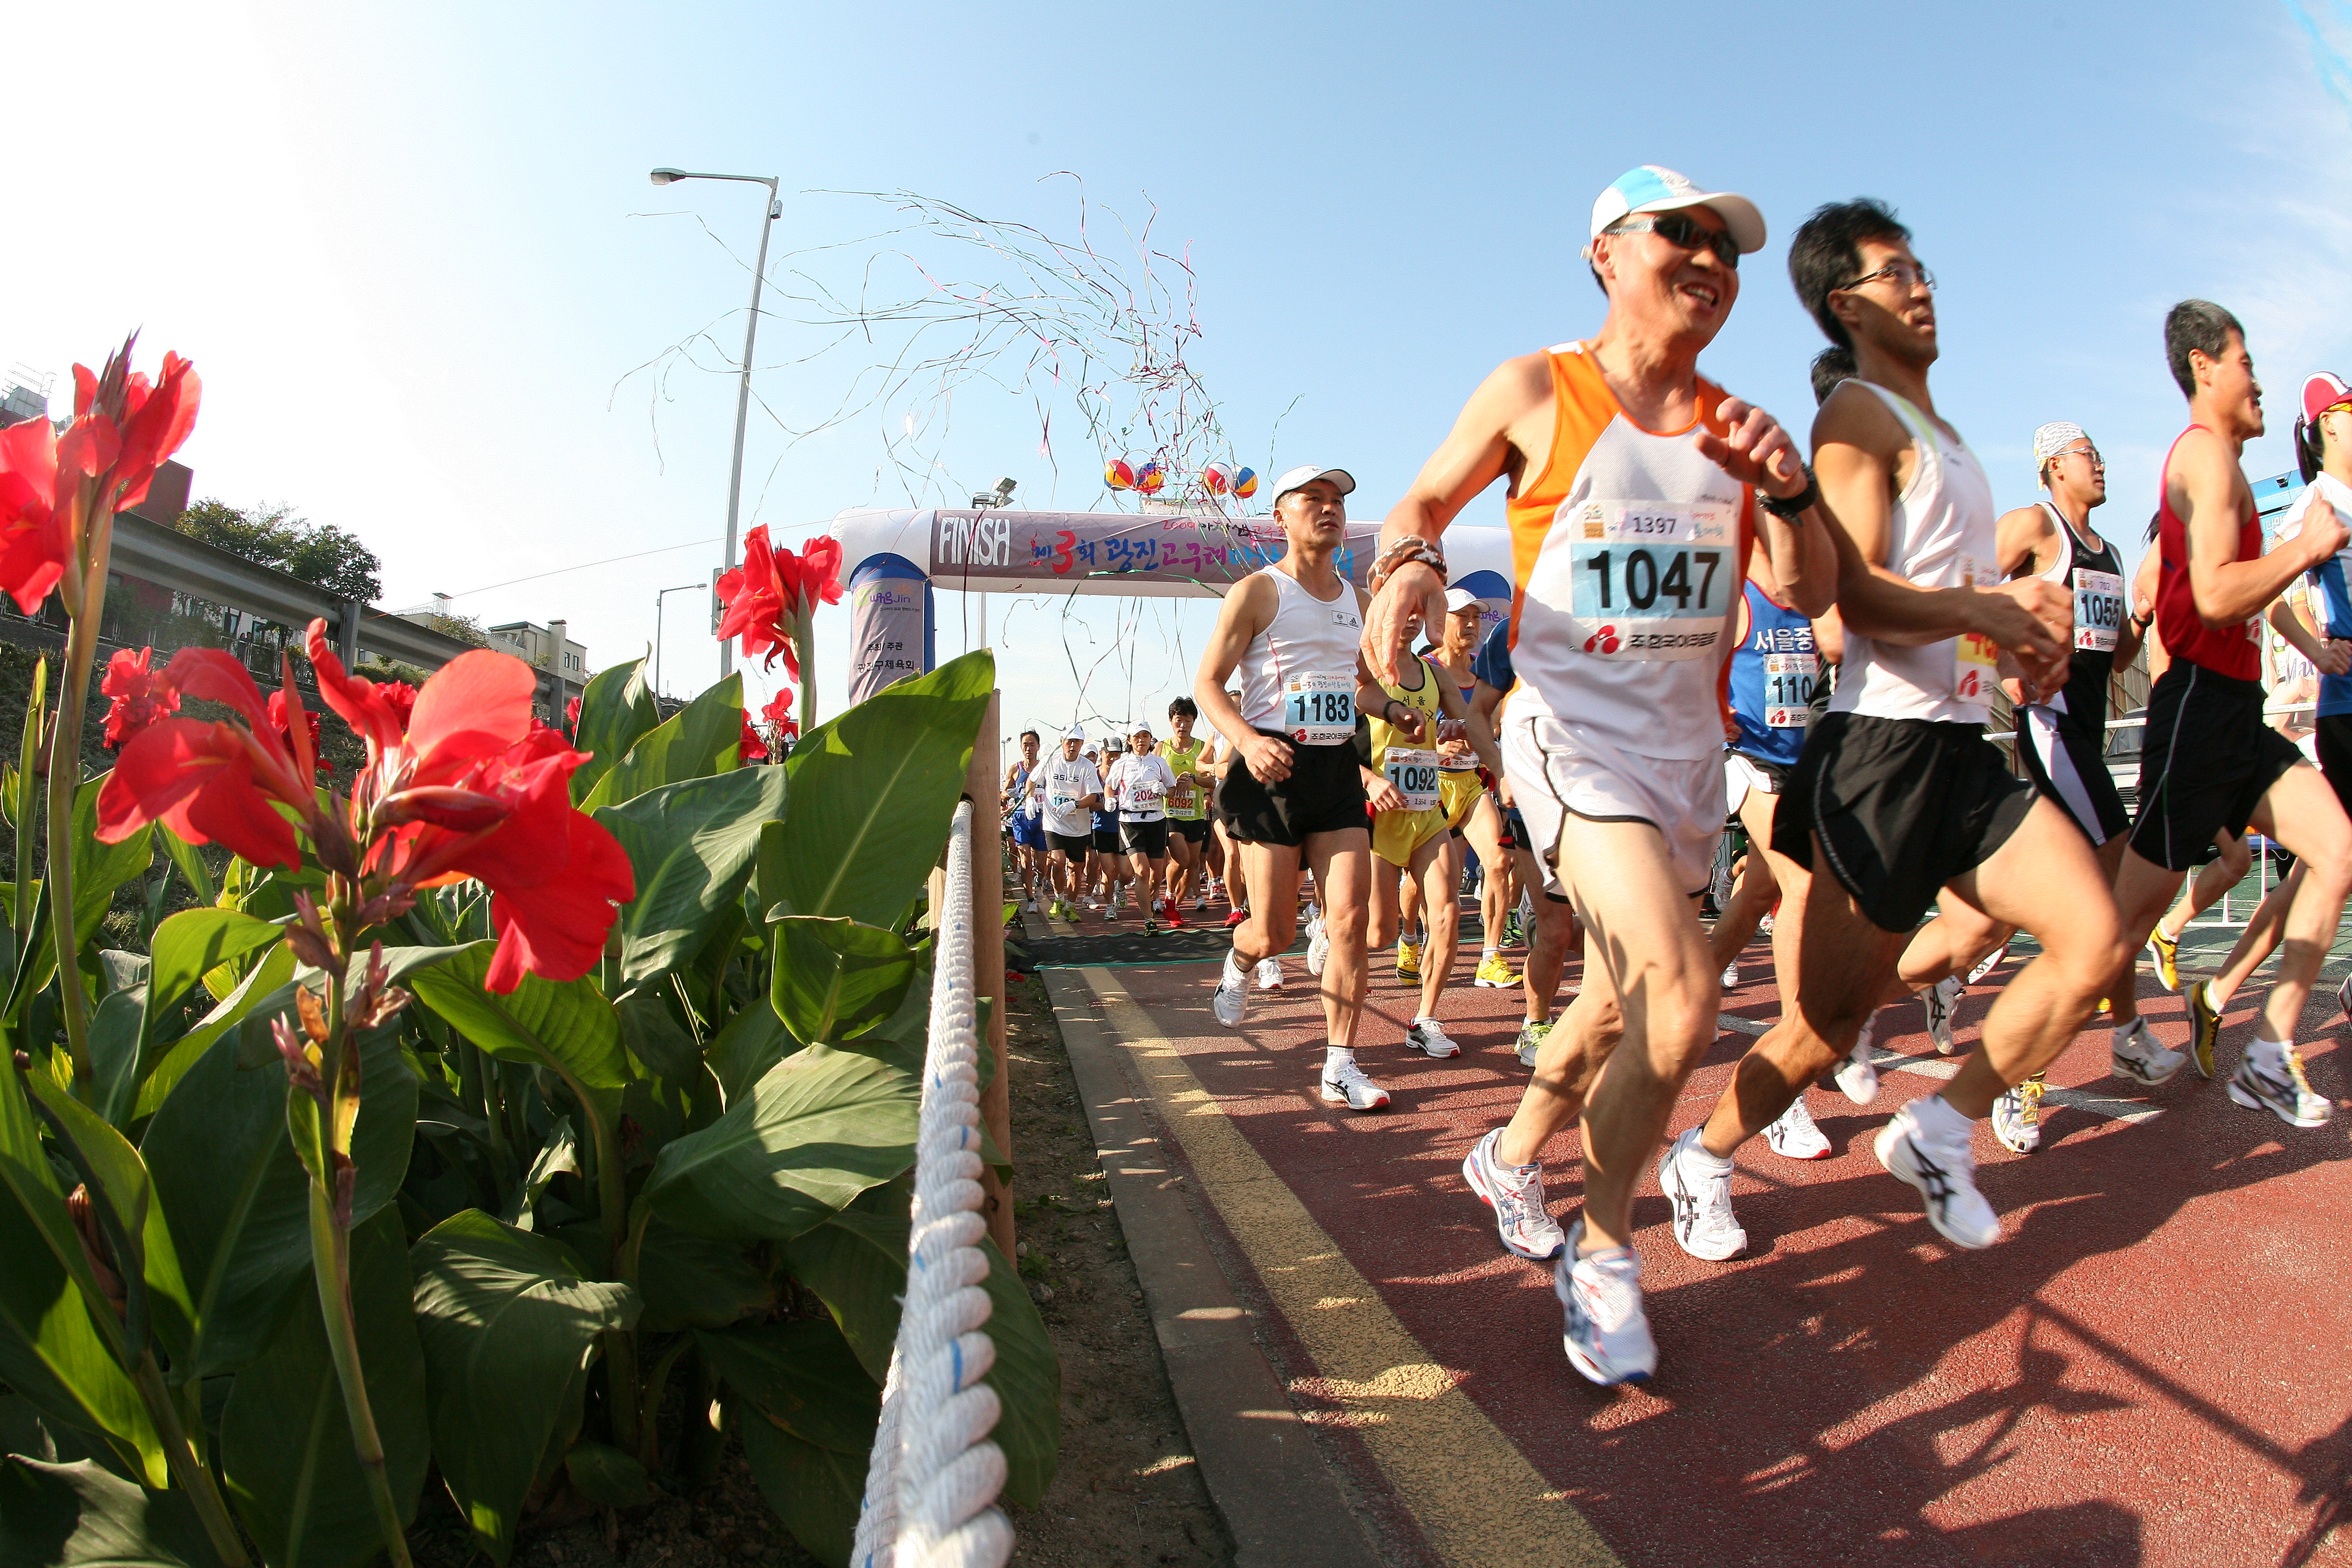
{"points": [[775, 210], [665, 593]]}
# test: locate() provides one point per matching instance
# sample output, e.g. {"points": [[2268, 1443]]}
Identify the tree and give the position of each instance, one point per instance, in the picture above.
{"points": [[317, 552]]}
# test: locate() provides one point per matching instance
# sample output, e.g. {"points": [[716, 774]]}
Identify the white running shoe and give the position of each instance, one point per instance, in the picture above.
{"points": [[1428, 1035], [1930, 1149], [2017, 1117], [2139, 1055], [1764, 926], [1607, 1337], [1857, 1076], [1989, 963], [1939, 1000], [1319, 946], [1794, 1136], [1531, 1039], [1113, 913], [2271, 1079], [1232, 998], [1731, 974], [1704, 1224], [1347, 1084], [1033, 903], [1516, 1194], [1269, 973]]}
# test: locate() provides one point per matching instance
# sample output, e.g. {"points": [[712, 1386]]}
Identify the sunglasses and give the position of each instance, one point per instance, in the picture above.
{"points": [[1681, 230]]}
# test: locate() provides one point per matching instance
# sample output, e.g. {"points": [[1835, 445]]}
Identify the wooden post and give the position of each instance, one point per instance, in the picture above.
{"points": [[982, 785]]}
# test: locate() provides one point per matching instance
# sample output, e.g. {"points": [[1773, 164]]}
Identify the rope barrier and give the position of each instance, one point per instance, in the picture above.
{"points": [[932, 1482]]}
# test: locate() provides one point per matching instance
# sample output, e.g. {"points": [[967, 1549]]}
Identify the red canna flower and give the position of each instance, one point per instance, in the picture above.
{"points": [[150, 418], [769, 596], [36, 501], [571, 719], [752, 747], [142, 695], [779, 715], [286, 731]]}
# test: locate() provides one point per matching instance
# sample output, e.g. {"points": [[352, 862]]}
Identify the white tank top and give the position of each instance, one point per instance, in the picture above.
{"points": [[1308, 637], [1942, 534]]}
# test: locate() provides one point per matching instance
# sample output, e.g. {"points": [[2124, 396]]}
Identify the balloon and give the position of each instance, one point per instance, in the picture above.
{"points": [[1245, 483], [1215, 479], [1150, 477], [1119, 476]]}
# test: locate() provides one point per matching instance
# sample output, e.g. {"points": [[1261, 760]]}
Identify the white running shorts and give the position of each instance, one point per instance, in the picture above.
{"points": [[1560, 770]]}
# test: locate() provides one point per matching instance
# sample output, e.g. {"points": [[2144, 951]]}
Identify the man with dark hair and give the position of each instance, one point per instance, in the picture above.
{"points": [[2209, 763], [1898, 802], [1187, 757], [1830, 366], [1024, 808], [1637, 489]]}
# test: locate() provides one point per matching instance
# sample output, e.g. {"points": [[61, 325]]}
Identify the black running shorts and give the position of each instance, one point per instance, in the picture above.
{"points": [[1148, 839], [1073, 845], [1106, 840], [2332, 739], [2206, 763], [2069, 765], [1194, 830], [1324, 794], [1902, 807]]}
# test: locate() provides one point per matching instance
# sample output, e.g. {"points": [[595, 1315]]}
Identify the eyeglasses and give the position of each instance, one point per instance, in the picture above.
{"points": [[1905, 275], [2090, 452], [1683, 230]]}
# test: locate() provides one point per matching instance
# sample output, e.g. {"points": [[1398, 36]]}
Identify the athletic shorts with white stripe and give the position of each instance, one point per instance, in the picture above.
{"points": [[2070, 769]]}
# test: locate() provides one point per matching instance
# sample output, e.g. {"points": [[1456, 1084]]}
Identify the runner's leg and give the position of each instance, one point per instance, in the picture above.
{"points": [[1274, 917], [2300, 811], [1437, 867], [1343, 880], [1753, 898], [2257, 942]]}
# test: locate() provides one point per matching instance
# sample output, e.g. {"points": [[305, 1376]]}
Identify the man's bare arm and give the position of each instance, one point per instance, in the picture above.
{"points": [[2021, 535], [2204, 486]]}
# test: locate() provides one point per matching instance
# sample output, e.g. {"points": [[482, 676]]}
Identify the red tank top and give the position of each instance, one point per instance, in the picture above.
{"points": [[2225, 650]]}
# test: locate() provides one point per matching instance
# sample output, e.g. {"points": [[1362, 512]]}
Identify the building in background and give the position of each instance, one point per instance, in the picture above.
{"points": [[548, 649]]}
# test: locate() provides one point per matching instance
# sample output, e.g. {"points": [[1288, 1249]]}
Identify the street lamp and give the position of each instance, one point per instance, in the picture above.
{"points": [[665, 593], [743, 393]]}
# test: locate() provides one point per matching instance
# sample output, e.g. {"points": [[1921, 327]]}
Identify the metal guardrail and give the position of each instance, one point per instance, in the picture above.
{"points": [[170, 559]]}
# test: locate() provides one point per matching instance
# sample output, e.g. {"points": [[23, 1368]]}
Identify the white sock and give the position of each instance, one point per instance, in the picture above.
{"points": [[1487, 952], [1934, 1113], [1236, 966], [2270, 1052], [1337, 1057], [1696, 1153]]}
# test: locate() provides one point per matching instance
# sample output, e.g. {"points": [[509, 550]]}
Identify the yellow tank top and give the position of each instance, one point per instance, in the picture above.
{"points": [[1424, 702], [1188, 801]]}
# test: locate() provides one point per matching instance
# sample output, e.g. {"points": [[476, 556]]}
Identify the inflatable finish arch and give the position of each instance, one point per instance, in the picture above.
{"points": [[896, 558]]}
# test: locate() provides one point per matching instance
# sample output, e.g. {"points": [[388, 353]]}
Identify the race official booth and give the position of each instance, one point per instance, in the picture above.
{"points": [[896, 560]]}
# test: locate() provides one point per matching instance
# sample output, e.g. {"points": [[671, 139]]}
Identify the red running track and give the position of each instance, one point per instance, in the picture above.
{"points": [[2152, 1368]]}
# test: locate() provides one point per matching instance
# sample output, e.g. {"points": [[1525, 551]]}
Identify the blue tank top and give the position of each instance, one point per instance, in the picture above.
{"points": [[1772, 674]]}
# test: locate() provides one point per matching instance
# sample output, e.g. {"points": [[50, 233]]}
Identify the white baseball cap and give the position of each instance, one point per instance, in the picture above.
{"points": [[1652, 189], [1308, 473], [1075, 732], [1460, 599]]}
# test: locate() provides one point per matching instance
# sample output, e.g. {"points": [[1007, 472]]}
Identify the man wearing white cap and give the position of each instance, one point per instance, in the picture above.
{"points": [[1294, 794], [1072, 788], [1637, 489]]}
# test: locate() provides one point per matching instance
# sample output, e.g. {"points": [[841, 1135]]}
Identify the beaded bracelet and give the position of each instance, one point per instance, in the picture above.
{"points": [[1410, 548]]}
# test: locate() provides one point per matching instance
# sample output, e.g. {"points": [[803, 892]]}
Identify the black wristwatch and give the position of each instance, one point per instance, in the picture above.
{"points": [[1796, 506]]}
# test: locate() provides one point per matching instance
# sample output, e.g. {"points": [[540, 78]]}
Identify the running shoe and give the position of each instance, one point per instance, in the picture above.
{"points": [[1857, 1076], [1347, 1084], [1764, 926], [1939, 1000], [2139, 1056], [1607, 1335], [1516, 1194], [1319, 946], [2017, 1117], [1175, 916], [1429, 1036], [2344, 996], [2269, 1079], [1512, 935], [1928, 1145], [1719, 886], [1232, 997], [1407, 963], [2204, 1025], [1033, 903], [1494, 973], [1989, 963], [1731, 974], [1236, 917], [1703, 1225], [1112, 914], [1531, 1039], [1269, 973], [2166, 950], [1794, 1136]]}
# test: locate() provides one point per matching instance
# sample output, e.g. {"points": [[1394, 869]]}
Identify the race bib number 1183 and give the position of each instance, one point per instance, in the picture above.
{"points": [[1319, 710]]}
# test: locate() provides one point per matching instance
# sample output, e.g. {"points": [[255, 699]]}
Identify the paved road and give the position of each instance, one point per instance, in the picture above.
{"points": [[2151, 1369]]}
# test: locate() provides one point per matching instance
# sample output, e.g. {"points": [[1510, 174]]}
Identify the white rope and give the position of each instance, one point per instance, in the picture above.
{"points": [[932, 1483]]}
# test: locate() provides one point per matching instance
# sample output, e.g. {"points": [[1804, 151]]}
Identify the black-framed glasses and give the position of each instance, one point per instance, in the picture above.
{"points": [[1904, 274], [1681, 229]]}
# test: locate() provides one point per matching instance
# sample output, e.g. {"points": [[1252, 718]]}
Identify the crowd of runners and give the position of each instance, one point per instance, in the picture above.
{"points": [[1709, 625]]}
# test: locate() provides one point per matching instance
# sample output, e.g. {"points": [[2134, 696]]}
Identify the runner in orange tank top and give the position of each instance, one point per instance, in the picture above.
{"points": [[1635, 488]]}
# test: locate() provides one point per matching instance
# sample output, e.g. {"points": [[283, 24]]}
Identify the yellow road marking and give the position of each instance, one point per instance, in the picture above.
{"points": [[1474, 1495]]}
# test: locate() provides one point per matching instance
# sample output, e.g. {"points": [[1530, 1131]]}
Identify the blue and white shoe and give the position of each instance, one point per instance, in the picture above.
{"points": [[1607, 1336], [1516, 1194]]}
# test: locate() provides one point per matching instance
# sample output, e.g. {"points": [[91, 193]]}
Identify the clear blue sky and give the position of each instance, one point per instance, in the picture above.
{"points": [[415, 253]]}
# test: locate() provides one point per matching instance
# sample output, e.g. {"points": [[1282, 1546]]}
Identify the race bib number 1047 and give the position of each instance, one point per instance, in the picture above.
{"points": [[1652, 580]]}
